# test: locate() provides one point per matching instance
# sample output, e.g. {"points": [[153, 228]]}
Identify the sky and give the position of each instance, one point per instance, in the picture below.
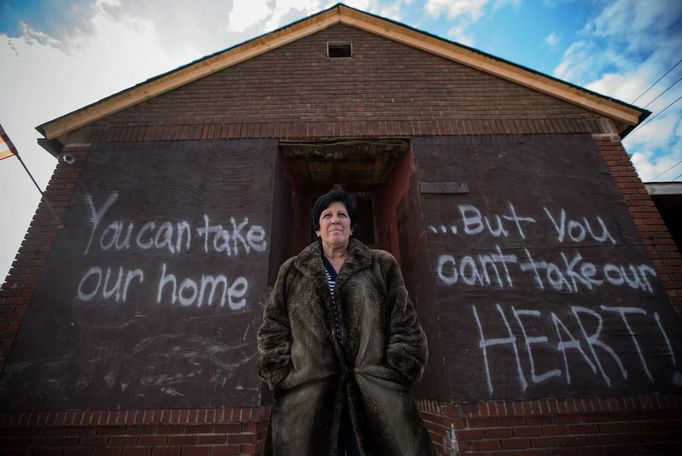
{"points": [[59, 55]]}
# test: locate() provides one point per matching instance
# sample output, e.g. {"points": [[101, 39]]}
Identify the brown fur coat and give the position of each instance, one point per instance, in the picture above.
{"points": [[382, 353]]}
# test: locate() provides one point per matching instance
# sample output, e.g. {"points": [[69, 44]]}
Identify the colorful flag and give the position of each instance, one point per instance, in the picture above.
{"points": [[7, 149]]}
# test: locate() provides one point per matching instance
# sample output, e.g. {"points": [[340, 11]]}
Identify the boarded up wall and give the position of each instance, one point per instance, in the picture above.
{"points": [[543, 286], [151, 294]]}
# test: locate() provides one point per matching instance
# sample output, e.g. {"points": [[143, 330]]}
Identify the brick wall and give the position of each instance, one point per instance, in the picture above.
{"points": [[603, 426], [386, 89], [662, 250], [232, 431], [577, 427]]}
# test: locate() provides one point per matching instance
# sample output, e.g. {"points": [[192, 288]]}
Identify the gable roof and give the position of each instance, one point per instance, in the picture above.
{"points": [[624, 115]]}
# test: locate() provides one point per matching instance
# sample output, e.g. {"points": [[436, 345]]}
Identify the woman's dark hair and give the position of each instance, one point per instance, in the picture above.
{"points": [[336, 194]]}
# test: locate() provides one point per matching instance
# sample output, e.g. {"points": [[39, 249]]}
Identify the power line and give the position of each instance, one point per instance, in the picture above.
{"points": [[660, 174], [652, 118], [666, 73], [659, 95], [677, 177]]}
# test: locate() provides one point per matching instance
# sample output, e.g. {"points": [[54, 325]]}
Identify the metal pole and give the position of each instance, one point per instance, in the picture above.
{"points": [[44, 198]]}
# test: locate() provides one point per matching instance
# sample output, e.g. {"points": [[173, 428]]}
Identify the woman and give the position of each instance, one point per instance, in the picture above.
{"points": [[340, 346]]}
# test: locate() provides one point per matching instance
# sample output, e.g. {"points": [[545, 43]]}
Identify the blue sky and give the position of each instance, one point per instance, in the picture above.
{"points": [[60, 55]]}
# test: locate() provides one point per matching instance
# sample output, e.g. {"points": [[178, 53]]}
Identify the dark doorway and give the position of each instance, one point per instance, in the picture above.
{"points": [[365, 168]]}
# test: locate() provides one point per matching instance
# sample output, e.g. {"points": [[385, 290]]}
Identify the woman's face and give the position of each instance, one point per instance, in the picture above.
{"points": [[334, 225]]}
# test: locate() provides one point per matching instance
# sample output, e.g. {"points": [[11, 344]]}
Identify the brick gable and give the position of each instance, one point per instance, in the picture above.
{"points": [[385, 83]]}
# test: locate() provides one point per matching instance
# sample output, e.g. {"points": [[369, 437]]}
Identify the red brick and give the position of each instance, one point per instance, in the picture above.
{"points": [[137, 452], [82, 430], [584, 428], [481, 422], [211, 439], [63, 441], [106, 451], [485, 445], [152, 440], [241, 438], [515, 443], [111, 430], [544, 442], [166, 451], [182, 440], [610, 428], [196, 451], [47, 452], [248, 448], [602, 439], [170, 429], [469, 434], [556, 430], [200, 429], [140, 430], [527, 431], [511, 421], [93, 441], [573, 440], [225, 450], [77, 452], [539, 420], [122, 440], [497, 433]]}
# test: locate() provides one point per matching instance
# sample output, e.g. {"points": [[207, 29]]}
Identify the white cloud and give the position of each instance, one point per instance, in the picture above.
{"points": [[653, 40], [458, 33], [466, 9], [242, 18], [552, 39], [31, 37], [656, 146], [516, 4], [657, 133], [643, 21], [662, 169], [620, 53], [620, 86], [392, 10], [68, 23]]}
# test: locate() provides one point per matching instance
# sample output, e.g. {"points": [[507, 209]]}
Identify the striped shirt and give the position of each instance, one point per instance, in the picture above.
{"points": [[331, 281]]}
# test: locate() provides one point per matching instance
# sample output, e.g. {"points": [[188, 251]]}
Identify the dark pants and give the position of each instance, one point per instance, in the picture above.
{"points": [[347, 445]]}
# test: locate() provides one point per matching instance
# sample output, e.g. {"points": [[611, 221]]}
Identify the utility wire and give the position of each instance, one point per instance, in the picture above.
{"points": [[677, 177], [660, 174], [659, 95], [652, 118], [650, 87]]}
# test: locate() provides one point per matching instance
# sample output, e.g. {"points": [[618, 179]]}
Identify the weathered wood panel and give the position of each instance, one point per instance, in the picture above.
{"points": [[151, 294], [543, 286]]}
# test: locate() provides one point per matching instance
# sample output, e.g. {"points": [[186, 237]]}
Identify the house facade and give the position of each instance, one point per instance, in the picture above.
{"points": [[547, 283]]}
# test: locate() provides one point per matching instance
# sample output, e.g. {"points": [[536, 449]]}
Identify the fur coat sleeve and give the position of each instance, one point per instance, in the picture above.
{"points": [[407, 350], [274, 335]]}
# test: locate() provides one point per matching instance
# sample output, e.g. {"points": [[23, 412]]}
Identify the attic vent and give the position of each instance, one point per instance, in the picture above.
{"points": [[337, 50]]}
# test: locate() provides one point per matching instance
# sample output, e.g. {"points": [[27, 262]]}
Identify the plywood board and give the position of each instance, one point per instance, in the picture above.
{"points": [[541, 281], [152, 293]]}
